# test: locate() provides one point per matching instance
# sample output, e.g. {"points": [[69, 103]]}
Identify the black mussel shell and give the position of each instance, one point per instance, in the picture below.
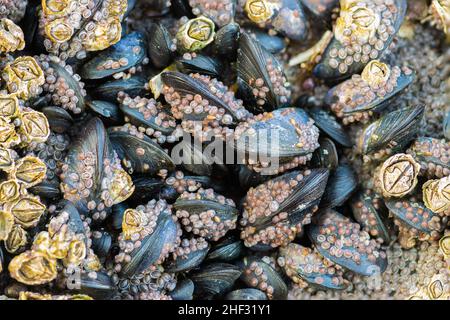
{"points": [[301, 263], [48, 189], [328, 123], [133, 86], [201, 64], [413, 213], [393, 130], [272, 43], [249, 178], [292, 213], [160, 46], [333, 66], [246, 294], [2, 260], [334, 237], [100, 288], [258, 273], [149, 252], [59, 119], [326, 155], [188, 262], [226, 41], [227, 249], [320, 9], [186, 85], [193, 158], [214, 280], [370, 212], [280, 135], [344, 99], [183, 291], [129, 148], [117, 213], [254, 63], [341, 184], [101, 243], [146, 188], [128, 52], [107, 110]]}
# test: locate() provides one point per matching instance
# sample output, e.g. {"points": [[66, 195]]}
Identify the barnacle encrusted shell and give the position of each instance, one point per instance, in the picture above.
{"points": [[436, 195], [33, 268], [11, 36], [24, 77]]}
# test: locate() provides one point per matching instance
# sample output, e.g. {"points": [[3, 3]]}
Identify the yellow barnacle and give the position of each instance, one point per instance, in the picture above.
{"points": [[106, 33], [376, 73], [121, 187], [6, 224], [11, 36], [33, 268], [8, 134], [29, 171], [436, 195], [34, 126], [259, 11], [17, 239], [6, 161], [133, 222], [24, 77], [27, 210], [361, 20], [92, 262], [59, 30], [56, 7], [76, 253], [196, 34], [9, 191], [9, 106], [117, 8], [27, 295]]}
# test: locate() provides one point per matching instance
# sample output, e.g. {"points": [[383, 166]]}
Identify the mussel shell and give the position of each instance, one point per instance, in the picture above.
{"points": [[107, 110], [135, 117], [131, 47], [59, 119], [364, 267], [191, 261], [320, 9], [75, 222], [420, 214], [2, 260], [149, 252], [201, 64], [183, 291], [326, 279], [375, 105], [422, 151], [224, 212], [395, 129], [323, 69], [100, 288], [101, 245], [326, 155], [146, 188], [228, 249], [327, 122], [251, 65], [117, 213], [48, 189], [153, 159], [249, 178], [186, 85], [272, 43], [341, 184], [226, 41], [246, 294], [133, 86], [193, 158], [214, 280], [159, 46], [71, 82], [274, 279], [383, 227], [280, 134]]}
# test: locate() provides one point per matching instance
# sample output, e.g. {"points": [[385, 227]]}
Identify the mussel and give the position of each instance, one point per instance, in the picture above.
{"points": [[362, 33], [276, 211], [214, 280], [340, 240], [341, 184]]}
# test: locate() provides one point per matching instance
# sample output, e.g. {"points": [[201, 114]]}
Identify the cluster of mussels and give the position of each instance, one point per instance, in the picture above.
{"points": [[118, 120]]}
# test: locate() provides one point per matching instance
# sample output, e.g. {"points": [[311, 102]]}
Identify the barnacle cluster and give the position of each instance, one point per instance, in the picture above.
{"points": [[238, 149]]}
